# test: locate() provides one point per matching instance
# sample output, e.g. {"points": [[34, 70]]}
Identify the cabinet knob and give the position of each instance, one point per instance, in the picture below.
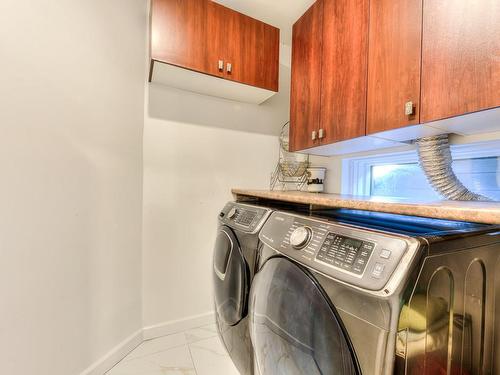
{"points": [[409, 108], [229, 68], [221, 65], [321, 134], [313, 135]]}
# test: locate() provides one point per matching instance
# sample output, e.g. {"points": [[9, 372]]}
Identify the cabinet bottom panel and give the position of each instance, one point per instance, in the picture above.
{"points": [[184, 79]]}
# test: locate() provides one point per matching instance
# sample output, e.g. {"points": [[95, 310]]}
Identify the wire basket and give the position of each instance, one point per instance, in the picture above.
{"points": [[291, 171], [293, 168]]}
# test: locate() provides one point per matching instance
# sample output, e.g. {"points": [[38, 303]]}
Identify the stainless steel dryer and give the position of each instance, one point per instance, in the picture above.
{"points": [[352, 292], [234, 265]]}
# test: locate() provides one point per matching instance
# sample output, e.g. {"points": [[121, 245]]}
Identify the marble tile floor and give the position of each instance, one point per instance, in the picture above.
{"points": [[193, 352]]}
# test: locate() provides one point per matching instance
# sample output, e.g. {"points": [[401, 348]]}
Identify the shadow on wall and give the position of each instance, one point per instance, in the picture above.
{"points": [[167, 103]]}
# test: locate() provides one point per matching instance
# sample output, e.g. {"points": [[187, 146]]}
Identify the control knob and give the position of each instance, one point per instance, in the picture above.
{"points": [[300, 237], [232, 213]]}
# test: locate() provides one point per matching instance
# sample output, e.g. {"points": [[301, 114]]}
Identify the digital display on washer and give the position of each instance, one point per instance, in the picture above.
{"points": [[347, 253], [352, 243]]}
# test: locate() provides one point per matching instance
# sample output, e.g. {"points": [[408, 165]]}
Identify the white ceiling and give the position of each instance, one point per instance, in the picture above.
{"points": [[279, 13]]}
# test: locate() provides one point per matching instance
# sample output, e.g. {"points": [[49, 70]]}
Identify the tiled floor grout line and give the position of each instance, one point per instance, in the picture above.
{"points": [[172, 347], [159, 351], [192, 359]]}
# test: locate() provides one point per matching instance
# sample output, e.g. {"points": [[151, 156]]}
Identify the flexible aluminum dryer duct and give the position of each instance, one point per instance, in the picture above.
{"points": [[436, 161]]}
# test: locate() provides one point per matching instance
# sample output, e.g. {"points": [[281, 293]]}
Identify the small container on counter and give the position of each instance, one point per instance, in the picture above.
{"points": [[315, 178]]}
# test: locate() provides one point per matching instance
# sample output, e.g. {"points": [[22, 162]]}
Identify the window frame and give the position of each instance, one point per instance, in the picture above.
{"points": [[356, 171]]}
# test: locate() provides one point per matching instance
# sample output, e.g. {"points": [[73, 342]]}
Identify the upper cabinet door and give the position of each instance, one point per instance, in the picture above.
{"points": [[179, 32], [461, 57], [216, 38], [394, 64], [344, 73], [247, 48], [252, 51], [306, 78]]}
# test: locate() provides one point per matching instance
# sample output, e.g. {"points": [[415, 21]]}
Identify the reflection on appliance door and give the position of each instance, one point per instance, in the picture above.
{"points": [[294, 328], [229, 278]]}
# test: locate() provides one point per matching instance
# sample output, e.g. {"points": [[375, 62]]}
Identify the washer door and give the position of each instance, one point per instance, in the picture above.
{"points": [[294, 327], [230, 275]]}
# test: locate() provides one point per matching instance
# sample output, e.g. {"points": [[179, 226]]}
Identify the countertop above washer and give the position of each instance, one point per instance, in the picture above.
{"points": [[476, 212]]}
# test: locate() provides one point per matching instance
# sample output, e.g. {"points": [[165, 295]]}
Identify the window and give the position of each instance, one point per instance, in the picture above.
{"points": [[398, 175]]}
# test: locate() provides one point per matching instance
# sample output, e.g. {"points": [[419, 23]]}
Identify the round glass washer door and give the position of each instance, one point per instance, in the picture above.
{"points": [[294, 327]]}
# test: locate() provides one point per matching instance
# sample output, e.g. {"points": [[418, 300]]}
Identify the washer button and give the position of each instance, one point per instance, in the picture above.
{"points": [[377, 270], [385, 254]]}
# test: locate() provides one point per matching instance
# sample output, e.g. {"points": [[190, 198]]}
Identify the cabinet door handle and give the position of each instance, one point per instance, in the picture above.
{"points": [[321, 134], [221, 65], [409, 109], [229, 68], [313, 135]]}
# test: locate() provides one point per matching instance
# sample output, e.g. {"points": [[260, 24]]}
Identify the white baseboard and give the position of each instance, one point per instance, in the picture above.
{"points": [[115, 355], [174, 326]]}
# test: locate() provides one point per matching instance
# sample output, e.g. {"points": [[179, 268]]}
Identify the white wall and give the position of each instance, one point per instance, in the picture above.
{"points": [[71, 119], [196, 148]]}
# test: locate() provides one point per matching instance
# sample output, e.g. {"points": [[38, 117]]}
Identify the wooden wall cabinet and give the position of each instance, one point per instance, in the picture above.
{"points": [[442, 56], [179, 33], [344, 70], [208, 38], [329, 73], [252, 48], [387, 66], [460, 57], [305, 92], [394, 65]]}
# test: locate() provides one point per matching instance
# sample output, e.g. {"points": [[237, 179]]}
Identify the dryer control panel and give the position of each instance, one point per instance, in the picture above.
{"points": [[244, 217], [360, 257]]}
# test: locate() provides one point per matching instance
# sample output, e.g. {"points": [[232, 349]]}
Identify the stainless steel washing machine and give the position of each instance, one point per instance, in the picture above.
{"points": [[234, 265], [352, 292]]}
